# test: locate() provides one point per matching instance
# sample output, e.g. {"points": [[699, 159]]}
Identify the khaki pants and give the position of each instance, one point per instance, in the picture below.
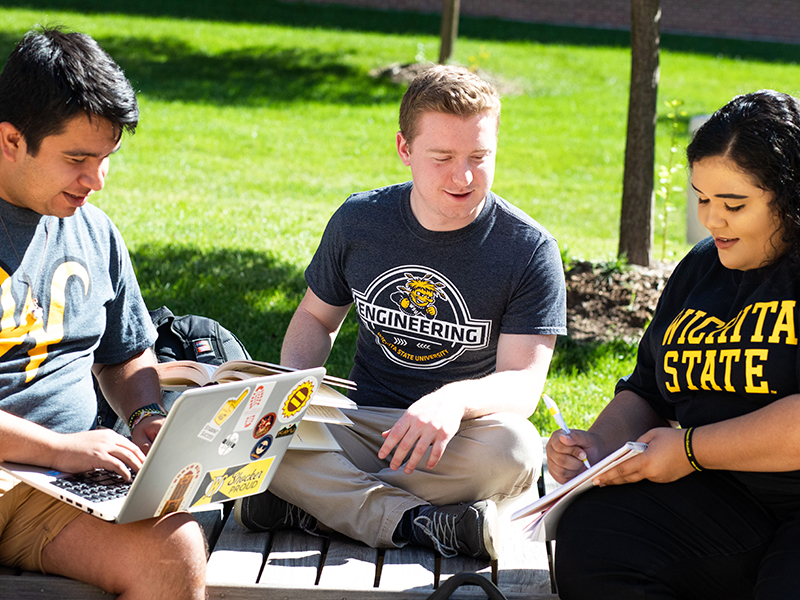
{"points": [[355, 493], [29, 520]]}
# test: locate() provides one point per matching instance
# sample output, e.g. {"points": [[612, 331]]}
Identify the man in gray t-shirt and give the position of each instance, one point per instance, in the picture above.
{"points": [[459, 297], [71, 307]]}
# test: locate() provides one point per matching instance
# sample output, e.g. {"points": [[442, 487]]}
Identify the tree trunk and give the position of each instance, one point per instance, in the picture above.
{"points": [[450, 12], [636, 219]]}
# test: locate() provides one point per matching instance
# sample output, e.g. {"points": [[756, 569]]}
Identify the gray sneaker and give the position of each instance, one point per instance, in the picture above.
{"points": [[458, 529], [267, 512]]}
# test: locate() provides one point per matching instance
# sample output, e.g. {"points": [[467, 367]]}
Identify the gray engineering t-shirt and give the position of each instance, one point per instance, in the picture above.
{"points": [[431, 305], [93, 311]]}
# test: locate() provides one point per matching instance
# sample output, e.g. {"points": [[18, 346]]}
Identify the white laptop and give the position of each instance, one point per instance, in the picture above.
{"points": [[218, 443]]}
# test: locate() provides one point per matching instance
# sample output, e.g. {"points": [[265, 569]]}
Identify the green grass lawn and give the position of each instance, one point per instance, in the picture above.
{"points": [[259, 118]]}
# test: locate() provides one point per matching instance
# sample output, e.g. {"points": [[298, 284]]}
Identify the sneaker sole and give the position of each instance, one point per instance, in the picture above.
{"points": [[238, 516], [490, 529], [237, 513]]}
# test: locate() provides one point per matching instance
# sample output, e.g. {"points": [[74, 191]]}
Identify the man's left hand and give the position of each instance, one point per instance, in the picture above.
{"points": [[429, 423]]}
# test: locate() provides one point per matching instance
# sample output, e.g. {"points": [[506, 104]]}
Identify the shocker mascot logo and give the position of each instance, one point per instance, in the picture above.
{"points": [[418, 295], [419, 318]]}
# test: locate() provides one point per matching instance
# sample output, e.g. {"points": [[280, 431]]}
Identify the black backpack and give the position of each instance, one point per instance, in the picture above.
{"points": [[188, 337], [192, 337]]}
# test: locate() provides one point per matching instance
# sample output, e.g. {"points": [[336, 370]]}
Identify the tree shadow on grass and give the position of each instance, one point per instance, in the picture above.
{"points": [[298, 14], [250, 293], [171, 70]]}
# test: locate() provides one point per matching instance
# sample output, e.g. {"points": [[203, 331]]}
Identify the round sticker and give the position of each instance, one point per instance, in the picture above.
{"points": [[264, 425], [261, 447], [296, 400]]}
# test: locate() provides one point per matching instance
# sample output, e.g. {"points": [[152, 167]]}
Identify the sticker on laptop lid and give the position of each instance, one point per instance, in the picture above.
{"points": [[265, 423], [233, 482], [180, 490], [296, 400], [254, 406], [213, 427], [288, 430], [228, 444], [261, 447]]}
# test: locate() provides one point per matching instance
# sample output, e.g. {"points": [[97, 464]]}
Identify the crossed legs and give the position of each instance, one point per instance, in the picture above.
{"points": [[355, 493]]}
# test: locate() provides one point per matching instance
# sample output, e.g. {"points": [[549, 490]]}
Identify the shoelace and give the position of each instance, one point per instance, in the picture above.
{"points": [[442, 531], [296, 517]]}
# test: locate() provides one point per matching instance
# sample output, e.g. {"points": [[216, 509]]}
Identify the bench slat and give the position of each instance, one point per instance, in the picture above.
{"points": [[40, 587], [461, 564], [408, 568], [233, 592], [294, 560], [211, 520], [348, 565], [238, 555]]}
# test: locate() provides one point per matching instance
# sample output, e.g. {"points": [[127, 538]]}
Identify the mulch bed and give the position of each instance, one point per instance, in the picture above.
{"points": [[606, 302]]}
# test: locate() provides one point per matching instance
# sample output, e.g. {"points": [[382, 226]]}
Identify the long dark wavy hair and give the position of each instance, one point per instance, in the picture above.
{"points": [[760, 132]]}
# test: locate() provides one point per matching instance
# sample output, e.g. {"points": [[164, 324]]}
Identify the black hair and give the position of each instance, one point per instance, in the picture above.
{"points": [[760, 133], [52, 76]]}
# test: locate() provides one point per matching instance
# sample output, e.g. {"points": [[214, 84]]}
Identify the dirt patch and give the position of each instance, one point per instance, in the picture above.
{"points": [[405, 74], [606, 302]]}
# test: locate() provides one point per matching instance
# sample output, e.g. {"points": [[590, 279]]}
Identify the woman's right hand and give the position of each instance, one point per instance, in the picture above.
{"points": [[565, 453]]}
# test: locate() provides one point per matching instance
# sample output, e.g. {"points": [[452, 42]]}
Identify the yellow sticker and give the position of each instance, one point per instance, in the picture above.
{"points": [[233, 482], [296, 400], [213, 427], [229, 406]]}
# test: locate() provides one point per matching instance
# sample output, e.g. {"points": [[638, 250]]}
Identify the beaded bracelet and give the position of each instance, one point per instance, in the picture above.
{"points": [[145, 411], [687, 444]]}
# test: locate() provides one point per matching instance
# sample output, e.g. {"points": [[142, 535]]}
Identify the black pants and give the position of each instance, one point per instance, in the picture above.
{"points": [[703, 536]]}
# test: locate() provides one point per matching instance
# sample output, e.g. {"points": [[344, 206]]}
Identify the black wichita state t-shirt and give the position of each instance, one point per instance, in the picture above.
{"points": [[723, 343]]}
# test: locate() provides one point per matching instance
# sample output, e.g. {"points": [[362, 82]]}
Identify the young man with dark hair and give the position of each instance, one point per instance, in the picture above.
{"points": [[459, 297], [71, 306]]}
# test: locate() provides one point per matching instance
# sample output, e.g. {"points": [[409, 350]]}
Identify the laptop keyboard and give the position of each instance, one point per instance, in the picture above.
{"points": [[98, 485]]}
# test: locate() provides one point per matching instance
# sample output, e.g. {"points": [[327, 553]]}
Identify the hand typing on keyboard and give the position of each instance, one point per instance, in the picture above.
{"points": [[96, 449], [97, 485]]}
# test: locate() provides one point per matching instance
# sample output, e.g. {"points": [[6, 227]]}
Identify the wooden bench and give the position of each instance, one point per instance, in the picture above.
{"points": [[290, 565]]}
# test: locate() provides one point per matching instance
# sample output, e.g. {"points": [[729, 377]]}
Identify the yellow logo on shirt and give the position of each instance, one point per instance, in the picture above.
{"points": [[704, 358], [14, 334]]}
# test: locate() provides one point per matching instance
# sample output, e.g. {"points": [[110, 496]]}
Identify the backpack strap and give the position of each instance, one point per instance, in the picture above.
{"points": [[446, 589], [161, 315], [194, 337]]}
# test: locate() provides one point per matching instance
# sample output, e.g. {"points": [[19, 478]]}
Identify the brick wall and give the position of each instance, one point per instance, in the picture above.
{"points": [[772, 20]]}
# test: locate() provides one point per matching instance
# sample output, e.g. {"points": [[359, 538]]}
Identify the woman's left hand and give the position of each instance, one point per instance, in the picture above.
{"points": [[664, 460]]}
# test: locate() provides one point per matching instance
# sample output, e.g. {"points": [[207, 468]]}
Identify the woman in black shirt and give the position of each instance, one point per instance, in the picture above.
{"points": [[712, 508]]}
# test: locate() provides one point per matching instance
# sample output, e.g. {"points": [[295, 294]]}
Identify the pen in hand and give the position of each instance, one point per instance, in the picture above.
{"points": [[553, 408]]}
